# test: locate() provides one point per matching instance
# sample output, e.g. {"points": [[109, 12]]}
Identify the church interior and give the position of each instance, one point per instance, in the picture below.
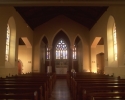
{"points": [[86, 32], [62, 39]]}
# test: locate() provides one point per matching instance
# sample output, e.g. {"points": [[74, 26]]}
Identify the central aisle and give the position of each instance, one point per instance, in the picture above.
{"points": [[61, 91]]}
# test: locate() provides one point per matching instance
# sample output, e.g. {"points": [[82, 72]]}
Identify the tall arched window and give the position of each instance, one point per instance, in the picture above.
{"points": [[61, 50], [74, 52], [7, 43], [112, 43], [115, 42]]}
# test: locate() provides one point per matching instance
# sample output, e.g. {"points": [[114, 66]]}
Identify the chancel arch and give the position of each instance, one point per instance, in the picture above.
{"points": [[44, 55], [61, 53]]}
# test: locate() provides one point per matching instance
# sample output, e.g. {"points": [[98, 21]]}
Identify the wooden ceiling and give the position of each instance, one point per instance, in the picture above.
{"points": [[37, 15]]}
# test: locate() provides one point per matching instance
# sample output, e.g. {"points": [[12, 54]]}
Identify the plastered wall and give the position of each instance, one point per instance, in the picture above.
{"points": [[25, 55], [71, 28], [100, 30], [21, 30]]}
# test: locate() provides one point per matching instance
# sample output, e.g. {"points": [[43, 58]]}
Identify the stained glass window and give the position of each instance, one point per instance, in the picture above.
{"points": [[74, 52], [61, 50], [7, 43], [48, 53], [115, 42]]}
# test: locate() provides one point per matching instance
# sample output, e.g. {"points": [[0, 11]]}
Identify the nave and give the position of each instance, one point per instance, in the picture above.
{"points": [[61, 90]]}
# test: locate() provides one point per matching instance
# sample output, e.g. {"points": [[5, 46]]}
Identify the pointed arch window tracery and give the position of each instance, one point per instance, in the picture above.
{"points": [[7, 43], [48, 53], [74, 52], [61, 50], [115, 42]]}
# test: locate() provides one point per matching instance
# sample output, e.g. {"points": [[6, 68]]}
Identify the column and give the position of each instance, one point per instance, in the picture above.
{"points": [[72, 47], [49, 68]]}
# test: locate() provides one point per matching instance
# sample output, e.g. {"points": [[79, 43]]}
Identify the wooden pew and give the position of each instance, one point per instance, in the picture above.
{"points": [[35, 77], [27, 81], [23, 96], [88, 77], [76, 92], [25, 84], [91, 96], [92, 85], [88, 80], [83, 93], [22, 90], [107, 98]]}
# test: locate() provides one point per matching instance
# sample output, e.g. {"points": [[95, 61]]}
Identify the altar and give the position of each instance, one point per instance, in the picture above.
{"points": [[61, 66], [61, 69]]}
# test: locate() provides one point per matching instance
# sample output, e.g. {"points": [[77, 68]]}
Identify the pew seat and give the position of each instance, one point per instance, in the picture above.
{"points": [[23, 96]]}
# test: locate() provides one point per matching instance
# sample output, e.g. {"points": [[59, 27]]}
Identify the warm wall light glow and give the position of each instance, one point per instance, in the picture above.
{"points": [[26, 41], [95, 71], [88, 70], [95, 42], [115, 42], [93, 54]]}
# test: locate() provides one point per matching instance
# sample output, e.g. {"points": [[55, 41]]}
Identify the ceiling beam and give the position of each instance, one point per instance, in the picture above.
{"points": [[62, 2]]}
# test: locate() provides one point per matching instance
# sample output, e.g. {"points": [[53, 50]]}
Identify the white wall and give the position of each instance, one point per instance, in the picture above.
{"points": [[99, 49], [72, 30], [25, 55], [100, 30], [21, 31]]}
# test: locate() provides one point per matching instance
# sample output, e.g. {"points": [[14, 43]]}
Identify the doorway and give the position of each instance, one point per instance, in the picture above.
{"points": [[100, 63]]}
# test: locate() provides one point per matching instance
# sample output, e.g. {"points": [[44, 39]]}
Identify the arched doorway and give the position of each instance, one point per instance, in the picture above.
{"points": [[100, 63]]}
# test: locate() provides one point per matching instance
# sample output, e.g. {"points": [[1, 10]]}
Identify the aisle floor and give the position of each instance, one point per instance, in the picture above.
{"points": [[61, 91]]}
